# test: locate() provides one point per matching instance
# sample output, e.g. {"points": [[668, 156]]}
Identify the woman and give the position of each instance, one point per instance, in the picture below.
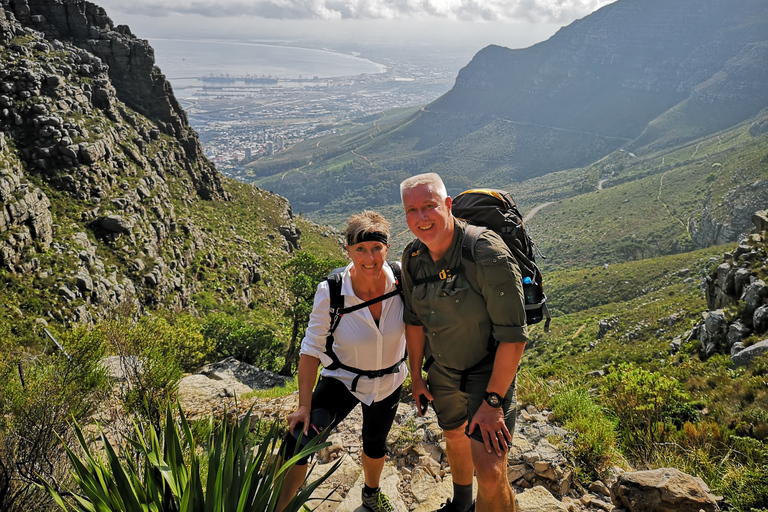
{"points": [[365, 341]]}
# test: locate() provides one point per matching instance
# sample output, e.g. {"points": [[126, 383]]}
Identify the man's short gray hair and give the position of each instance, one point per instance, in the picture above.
{"points": [[431, 178]]}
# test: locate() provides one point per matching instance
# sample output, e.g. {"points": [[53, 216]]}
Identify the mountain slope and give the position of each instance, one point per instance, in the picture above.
{"points": [[637, 74], [105, 194]]}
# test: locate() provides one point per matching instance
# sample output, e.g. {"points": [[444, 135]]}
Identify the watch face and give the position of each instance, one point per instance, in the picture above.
{"points": [[493, 399]]}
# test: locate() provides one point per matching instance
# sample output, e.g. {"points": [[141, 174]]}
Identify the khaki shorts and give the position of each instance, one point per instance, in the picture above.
{"points": [[455, 405]]}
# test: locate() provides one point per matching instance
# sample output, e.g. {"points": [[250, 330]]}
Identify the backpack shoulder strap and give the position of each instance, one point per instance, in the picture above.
{"points": [[397, 271], [337, 299], [468, 243]]}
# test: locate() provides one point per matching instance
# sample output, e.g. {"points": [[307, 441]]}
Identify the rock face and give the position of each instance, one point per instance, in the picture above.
{"points": [[662, 490], [735, 285], [626, 64], [130, 65], [740, 205], [100, 172]]}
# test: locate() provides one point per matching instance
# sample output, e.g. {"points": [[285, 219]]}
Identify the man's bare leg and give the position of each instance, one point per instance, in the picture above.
{"points": [[494, 494], [459, 452]]}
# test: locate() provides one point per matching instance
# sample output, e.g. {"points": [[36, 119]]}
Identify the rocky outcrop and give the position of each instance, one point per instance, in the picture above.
{"points": [[735, 217], [101, 176], [737, 297], [130, 64], [417, 476]]}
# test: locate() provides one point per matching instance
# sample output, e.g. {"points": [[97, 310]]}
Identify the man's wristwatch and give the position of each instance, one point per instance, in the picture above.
{"points": [[492, 399]]}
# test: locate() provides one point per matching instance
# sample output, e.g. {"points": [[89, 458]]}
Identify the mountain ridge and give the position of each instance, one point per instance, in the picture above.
{"points": [[634, 75]]}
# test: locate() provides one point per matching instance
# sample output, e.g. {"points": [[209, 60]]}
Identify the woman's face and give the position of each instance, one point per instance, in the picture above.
{"points": [[368, 257]]}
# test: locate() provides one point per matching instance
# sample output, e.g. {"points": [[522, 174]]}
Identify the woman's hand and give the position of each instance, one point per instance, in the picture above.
{"points": [[301, 415]]}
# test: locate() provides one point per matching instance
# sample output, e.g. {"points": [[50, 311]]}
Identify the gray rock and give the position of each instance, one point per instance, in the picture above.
{"points": [[67, 294], [760, 319], [746, 356], [115, 224], [253, 377], [539, 499], [662, 490], [737, 331], [754, 295], [741, 280]]}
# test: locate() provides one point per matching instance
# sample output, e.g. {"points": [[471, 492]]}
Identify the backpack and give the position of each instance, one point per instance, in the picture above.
{"points": [[485, 208], [337, 310]]}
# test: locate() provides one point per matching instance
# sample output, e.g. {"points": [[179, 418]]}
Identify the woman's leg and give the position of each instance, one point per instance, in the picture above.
{"points": [[291, 483], [332, 395], [377, 421]]}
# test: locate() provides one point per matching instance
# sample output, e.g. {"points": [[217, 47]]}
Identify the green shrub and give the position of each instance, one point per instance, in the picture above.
{"points": [[532, 389], [166, 475], [648, 406], [244, 341], [151, 358], [746, 488], [594, 445], [38, 398]]}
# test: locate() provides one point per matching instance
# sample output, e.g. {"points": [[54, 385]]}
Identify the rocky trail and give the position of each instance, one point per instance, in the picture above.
{"points": [[417, 477]]}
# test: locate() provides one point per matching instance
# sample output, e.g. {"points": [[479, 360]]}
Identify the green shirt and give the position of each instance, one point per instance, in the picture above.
{"points": [[465, 315]]}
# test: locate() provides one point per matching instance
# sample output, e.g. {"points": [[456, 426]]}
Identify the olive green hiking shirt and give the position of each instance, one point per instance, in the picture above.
{"points": [[466, 314]]}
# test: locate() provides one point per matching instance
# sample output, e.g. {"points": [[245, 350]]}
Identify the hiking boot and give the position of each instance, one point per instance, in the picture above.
{"points": [[378, 502], [448, 506]]}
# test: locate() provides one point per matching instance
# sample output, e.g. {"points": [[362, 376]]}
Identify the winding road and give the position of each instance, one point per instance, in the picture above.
{"points": [[530, 214]]}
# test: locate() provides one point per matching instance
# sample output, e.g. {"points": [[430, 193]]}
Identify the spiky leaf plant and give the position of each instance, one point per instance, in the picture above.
{"points": [[165, 473]]}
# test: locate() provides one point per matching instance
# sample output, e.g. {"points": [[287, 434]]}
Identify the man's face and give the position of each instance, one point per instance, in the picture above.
{"points": [[428, 216]]}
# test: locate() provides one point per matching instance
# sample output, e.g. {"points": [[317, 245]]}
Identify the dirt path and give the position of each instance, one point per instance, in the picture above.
{"points": [[534, 211]]}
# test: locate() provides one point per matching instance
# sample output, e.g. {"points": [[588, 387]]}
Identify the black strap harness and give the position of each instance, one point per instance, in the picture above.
{"points": [[337, 310]]}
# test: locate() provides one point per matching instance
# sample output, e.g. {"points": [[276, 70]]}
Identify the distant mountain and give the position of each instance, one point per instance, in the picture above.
{"points": [[642, 75], [597, 84]]}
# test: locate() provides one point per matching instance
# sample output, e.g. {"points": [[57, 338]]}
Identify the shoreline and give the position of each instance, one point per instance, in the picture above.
{"points": [[381, 68]]}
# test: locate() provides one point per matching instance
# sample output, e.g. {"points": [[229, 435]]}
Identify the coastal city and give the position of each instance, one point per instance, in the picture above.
{"points": [[243, 118]]}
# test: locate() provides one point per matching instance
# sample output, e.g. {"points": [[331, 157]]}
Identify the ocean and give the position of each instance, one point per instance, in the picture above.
{"points": [[187, 62]]}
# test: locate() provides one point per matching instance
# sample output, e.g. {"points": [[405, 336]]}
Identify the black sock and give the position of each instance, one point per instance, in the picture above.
{"points": [[462, 496], [368, 491]]}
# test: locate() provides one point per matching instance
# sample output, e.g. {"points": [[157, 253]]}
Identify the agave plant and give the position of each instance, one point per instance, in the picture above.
{"points": [[167, 476]]}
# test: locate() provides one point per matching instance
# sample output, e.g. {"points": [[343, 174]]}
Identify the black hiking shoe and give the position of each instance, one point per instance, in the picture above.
{"points": [[448, 506]]}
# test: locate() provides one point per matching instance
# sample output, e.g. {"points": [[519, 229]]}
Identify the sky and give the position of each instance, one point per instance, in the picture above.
{"points": [[476, 23]]}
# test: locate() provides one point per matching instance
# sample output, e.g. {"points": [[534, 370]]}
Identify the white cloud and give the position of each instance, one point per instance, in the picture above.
{"points": [[547, 11]]}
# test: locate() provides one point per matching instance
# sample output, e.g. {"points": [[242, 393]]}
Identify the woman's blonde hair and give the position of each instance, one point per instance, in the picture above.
{"points": [[365, 222]]}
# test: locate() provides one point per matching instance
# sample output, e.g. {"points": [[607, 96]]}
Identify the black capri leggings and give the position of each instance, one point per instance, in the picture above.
{"points": [[333, 396]]}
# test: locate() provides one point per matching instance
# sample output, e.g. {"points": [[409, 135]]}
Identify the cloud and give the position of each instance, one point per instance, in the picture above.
{"points": [[547, 11]]}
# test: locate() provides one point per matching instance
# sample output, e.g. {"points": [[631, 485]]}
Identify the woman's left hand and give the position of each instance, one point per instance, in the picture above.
{"points": [[301, 415]]}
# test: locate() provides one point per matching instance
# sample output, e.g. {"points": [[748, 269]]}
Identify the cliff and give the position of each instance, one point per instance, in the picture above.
{"points": [[737, 300], [105, 193]]}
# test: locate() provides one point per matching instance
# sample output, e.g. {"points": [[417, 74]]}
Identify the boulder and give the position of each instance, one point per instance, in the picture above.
{"points": [[198, 392], [754, 295], [746, 356], [254, 378], [115, 224], [760, 319], [737, 331], [662, 490]]}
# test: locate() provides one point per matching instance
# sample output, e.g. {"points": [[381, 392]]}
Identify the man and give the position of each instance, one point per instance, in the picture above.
{"points": [[466, 316]]}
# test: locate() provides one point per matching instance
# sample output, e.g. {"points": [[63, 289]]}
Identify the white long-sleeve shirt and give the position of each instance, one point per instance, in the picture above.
{"points": [[358, 341]]}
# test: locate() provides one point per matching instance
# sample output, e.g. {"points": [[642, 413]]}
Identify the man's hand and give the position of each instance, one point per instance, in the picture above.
{"points": [[418, 388], [301, 415], [490, 421]]}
